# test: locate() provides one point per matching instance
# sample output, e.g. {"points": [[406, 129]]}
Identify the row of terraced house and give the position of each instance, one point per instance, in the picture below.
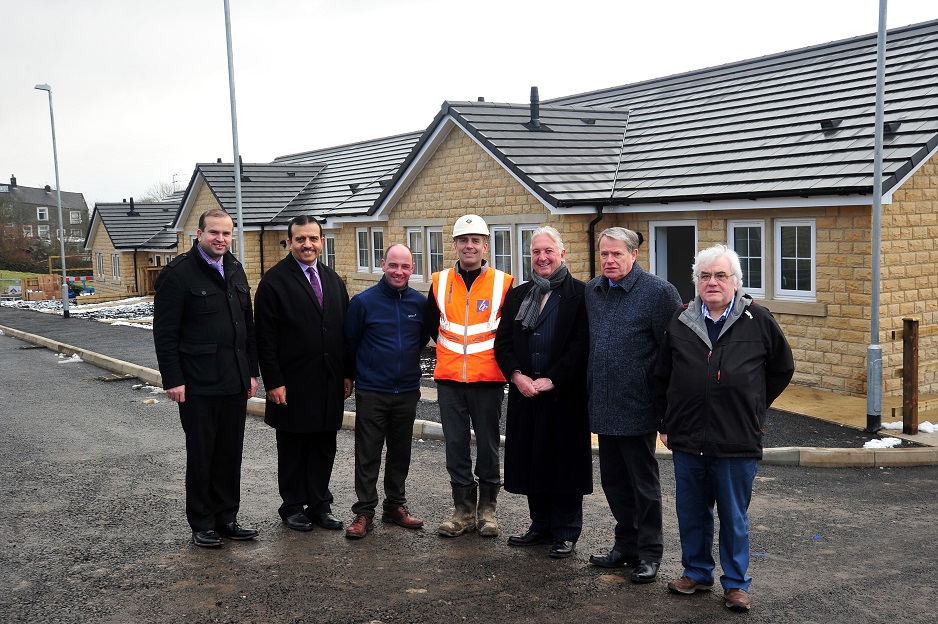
{"points": [[773, 156]]}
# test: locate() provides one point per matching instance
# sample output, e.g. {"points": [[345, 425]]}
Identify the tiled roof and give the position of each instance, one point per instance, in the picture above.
{"points": [[146, 227], [266, 188], [571, 157], [352, 179], [42, 197], [792, 124]]}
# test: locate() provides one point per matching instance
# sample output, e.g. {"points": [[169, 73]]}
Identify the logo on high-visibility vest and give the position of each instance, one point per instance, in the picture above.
{"points": [[482, 305]]}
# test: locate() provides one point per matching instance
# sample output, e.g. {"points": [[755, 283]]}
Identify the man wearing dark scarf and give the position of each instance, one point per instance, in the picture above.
{"points": [[543, 353]]}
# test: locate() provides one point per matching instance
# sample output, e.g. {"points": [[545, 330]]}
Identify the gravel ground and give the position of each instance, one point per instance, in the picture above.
{"points": [[93, 530]]}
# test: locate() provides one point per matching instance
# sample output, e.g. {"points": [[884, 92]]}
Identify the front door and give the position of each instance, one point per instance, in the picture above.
{"points": [[674, 246]]}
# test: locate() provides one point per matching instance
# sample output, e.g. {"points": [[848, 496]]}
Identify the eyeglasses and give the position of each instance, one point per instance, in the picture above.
{"points": [[720, 277]]}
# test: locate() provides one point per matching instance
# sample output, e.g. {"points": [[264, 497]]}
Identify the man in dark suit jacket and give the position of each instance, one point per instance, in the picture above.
{"points": [[203, 331], [301, 305]]}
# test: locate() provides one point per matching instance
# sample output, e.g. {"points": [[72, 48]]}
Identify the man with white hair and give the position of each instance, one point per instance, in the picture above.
{"points": [[723, 361]]}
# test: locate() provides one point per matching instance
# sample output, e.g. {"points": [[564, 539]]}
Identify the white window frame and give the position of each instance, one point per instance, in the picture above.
{"points": [[42, 231], [519, 256], [74, 233], [99, 264], [328, 249], [116, 267], [415, 240], [525, 268], [750, 223], [362, 253], [377, 249], [788, 293], [74, 217], [498, 257], [435, 261], [42, 213], [28, 231]]}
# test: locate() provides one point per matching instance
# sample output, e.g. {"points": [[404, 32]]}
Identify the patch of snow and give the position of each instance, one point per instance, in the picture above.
{"points": [[69, 360], [925, 427], [883, 443]]}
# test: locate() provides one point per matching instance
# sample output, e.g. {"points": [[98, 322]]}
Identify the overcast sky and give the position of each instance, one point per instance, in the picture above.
{"points": [[140, 88]]}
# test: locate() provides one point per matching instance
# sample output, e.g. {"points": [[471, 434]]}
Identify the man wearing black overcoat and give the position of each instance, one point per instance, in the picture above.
{"points": [[301, 305], [203, 331], [541, 347]]}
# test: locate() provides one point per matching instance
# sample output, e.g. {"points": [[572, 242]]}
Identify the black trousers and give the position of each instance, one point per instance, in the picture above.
{"points": [[382, 418], [629, 473], [214, 427], [304, 467], [561, 515]]}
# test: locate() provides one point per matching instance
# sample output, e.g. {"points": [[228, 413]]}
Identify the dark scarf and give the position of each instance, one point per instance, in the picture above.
{"points": [[531, 305]]}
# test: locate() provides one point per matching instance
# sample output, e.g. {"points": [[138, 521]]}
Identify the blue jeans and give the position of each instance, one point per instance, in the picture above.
{"points": [[701, 482]]}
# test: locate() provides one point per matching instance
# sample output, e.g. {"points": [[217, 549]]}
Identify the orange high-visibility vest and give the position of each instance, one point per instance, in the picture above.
{"points": [[465, 348]]}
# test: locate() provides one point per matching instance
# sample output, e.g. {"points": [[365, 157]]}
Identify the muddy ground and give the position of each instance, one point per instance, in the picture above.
{"points": [[93, 530]]}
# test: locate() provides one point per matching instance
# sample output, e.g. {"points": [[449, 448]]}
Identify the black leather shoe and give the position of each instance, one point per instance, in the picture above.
{"points": [[530, 538], [645, 572], [234, 531], [614, 559], [561, 549], [298, 522], [328, 521], [206, 539]]}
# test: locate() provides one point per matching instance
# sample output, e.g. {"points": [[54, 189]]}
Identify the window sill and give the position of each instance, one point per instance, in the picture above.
{"points": [[799, 308]]}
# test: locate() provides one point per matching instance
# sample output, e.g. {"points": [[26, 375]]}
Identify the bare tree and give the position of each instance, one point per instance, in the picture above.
{"points": [[157, 192]]}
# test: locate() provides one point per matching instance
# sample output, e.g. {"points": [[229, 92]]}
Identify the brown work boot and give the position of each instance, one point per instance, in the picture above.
{"points": [[464, 512], [736, 599], [401, 517], [687, 585], [359, 527], [488, 495]]}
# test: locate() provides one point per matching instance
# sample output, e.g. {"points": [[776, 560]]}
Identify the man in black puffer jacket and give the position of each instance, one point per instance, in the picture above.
{"points": [[723, 361]]}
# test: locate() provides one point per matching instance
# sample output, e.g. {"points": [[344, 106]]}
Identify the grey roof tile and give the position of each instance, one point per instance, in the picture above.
{"points": [[747, 126], [147, 226], [265, 187], [352, 178]]}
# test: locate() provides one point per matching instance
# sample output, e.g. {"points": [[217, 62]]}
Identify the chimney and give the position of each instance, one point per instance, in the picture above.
{"points": [[48, 189], [218, 161], [535, 108], [12, 181], [131, 213]]}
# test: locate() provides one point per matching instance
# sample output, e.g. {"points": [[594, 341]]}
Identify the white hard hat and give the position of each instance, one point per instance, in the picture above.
{"points": [[470, 224]]}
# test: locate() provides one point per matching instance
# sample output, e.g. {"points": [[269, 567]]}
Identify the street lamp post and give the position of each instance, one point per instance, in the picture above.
{"points": [[58, 196]]}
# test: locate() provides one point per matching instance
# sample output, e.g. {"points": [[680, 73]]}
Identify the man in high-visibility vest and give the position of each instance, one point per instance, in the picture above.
{"points": [[463, 312]]}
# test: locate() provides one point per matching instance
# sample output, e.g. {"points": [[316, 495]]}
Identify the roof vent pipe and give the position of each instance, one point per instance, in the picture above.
{"points": [[535, 108], [12, 181]]}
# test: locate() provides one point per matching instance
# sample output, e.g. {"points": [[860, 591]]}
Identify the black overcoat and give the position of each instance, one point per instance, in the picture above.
{"points": [[300, 345], [547, 438], [203, 329]]}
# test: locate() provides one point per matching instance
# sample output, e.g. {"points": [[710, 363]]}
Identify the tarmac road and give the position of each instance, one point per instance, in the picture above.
{"points": [[93, 530]]}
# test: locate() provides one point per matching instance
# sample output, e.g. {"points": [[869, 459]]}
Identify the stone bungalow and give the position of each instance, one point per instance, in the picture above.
{"points": [[772, 155]]}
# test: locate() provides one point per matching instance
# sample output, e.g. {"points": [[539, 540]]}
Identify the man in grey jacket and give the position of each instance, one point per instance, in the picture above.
{"points": [[628, 311]]}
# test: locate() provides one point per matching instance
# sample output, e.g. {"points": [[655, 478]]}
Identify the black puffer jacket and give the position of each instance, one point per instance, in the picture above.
{"points": [[714, 398]]}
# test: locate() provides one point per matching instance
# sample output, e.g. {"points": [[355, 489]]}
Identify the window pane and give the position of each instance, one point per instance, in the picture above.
{"points": [[415, 242], [363, 248], [501, 253], [377, 237], [747, 241], [526, 254], [436, 250], [796, 258]]}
